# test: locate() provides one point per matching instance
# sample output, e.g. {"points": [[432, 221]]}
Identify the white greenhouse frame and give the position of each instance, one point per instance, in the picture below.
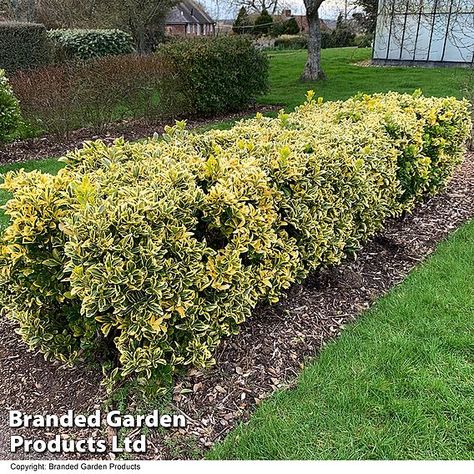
{"points": [[425, 32]]}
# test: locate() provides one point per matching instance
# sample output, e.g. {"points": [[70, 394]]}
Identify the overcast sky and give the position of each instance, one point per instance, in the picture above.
{"points": [[329, 9]]}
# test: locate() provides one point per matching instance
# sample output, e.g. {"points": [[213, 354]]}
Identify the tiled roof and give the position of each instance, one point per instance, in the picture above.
{"points": [[188, 12]]}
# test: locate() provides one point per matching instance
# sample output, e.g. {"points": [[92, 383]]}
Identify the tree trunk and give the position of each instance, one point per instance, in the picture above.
{"points": [[140, 40], [312, 70]]}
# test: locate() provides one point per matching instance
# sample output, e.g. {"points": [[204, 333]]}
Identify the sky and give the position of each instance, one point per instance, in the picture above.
{"points": [[330, 9]]}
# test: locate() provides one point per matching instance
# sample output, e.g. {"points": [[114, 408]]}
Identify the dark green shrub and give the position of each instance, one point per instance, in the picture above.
{"points": [[263, 23], [338, 38], [288, 27], [342, 37], [327, 40], [88, 44], [291, 27], [10, 117], [242, 23], [23, 46], [364, 41], [291, 42], [213, 75]]}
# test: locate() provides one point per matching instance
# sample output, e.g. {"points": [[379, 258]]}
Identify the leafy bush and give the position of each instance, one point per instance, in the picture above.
{"points": [[291, 27], [149, 253], [291, 42], [364, 41], [342, 37], [88, 44], [327, 40], [212, 76], [61, 98], [338, 38], [10, 117], [23, 46]]}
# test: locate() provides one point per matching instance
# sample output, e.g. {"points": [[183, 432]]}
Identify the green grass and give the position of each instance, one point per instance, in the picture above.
{"points": [[398, 384], [345, 78]]}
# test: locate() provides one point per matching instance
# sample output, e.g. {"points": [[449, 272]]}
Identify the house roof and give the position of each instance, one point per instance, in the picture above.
{"points": [[188, 12]]}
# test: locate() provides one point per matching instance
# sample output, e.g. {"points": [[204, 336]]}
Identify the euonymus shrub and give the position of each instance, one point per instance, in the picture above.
{"points": [[149, 253]]}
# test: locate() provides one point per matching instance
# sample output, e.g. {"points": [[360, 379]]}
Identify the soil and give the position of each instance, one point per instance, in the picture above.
{"points": [[268, 353], [50, 146]]}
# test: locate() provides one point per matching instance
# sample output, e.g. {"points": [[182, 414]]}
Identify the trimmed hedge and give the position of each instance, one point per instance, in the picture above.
{"points": [[214, 75], [74, 44], [23, 46], [10, 117], [291, 42], [149, 253]]}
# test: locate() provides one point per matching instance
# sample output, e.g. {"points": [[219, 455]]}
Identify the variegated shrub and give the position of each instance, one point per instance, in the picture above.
{"points": [[147, 254]]}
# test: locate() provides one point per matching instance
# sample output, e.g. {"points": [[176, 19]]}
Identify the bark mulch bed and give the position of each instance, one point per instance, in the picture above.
{"points": [[51, 146], [271, 348]]}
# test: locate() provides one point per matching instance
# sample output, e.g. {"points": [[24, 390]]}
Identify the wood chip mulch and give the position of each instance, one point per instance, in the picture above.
{"points": [[271, 348], [51, 146]]}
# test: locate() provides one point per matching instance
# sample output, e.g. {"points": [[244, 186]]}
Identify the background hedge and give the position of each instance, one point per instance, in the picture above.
{"points": [[192, 77], [64, 97], [23, 46], [147, 254], [75, 44], [291, 42]]}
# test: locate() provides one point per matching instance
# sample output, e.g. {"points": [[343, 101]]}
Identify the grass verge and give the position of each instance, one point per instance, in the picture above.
{"points": [[398, 383], [345, 77]]}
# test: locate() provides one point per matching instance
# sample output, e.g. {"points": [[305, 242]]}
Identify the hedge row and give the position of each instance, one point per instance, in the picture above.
{"points": [[10, 117], [291, 42], [150, 253], [184, 78], [23, 46], [80, 44], [30, 45], [332, 39]]}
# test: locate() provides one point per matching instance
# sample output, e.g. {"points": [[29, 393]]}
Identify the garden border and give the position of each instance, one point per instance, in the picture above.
{"points": [[273, 345]]}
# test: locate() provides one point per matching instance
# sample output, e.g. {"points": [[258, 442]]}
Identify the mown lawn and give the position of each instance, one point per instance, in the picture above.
{"points": [[398, 384], [345, 77]]}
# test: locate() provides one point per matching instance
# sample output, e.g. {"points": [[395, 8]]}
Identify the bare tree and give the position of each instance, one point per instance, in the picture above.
{"points": [[313, 70], [69, 13], [143, 19], [257, 6]]}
